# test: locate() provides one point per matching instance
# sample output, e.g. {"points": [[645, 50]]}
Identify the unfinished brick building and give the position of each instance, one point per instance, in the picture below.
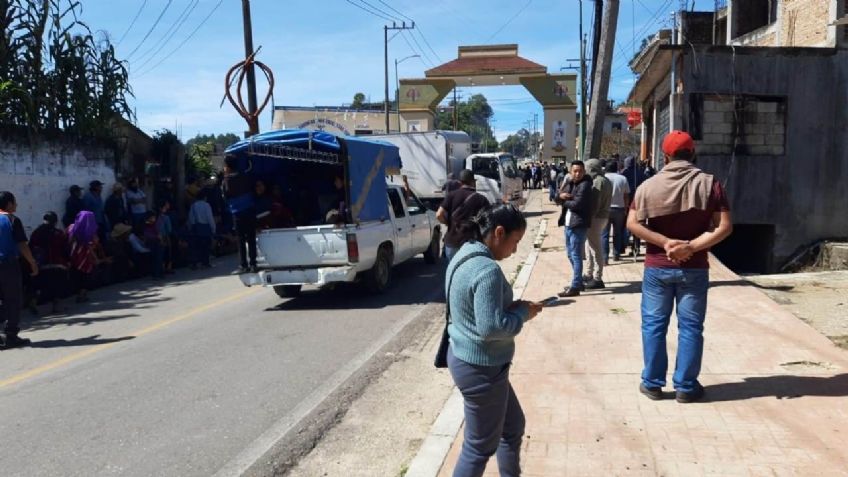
{"points": [[762, 85]]}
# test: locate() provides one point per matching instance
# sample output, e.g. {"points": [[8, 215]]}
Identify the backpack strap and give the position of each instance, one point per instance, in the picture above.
{"points": [[450, 280]]}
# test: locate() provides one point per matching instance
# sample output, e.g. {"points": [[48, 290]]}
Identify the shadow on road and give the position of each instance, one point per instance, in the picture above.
{"points": [[779, 387], [87, 341], [121, 297], [414, 282]]}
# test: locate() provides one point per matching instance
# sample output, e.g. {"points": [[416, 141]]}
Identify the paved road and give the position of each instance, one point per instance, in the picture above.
{"points": [[186, 378]]}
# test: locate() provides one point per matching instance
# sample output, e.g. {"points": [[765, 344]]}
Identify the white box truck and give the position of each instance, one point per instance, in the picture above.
{"points": [[429, 157]]}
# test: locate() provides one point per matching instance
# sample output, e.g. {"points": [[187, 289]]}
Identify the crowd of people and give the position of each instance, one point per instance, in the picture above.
{"points": [[98, 241]]}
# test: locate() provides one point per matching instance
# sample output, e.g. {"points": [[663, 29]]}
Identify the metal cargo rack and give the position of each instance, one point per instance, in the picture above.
{"points": [[277, 151]]}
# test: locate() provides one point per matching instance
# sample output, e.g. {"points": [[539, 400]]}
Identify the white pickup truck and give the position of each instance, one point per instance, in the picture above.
{"points": [[379, 226], [326, 254]]}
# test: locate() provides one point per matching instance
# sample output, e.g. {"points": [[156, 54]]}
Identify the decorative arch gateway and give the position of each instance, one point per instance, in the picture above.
{"points": [[497, 65]]}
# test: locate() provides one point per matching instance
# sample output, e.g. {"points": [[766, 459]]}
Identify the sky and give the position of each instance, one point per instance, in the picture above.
{"points": [[324, 51]]}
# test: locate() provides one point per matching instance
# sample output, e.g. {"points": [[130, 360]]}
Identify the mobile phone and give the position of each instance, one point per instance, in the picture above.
{"points": [[549, 300]]}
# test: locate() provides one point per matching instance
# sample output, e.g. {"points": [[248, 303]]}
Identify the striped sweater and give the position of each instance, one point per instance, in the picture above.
{"points": [[483, 321]]}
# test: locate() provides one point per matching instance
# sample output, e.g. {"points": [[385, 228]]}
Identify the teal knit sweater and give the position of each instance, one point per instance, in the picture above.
{"points": [[483, 322]]}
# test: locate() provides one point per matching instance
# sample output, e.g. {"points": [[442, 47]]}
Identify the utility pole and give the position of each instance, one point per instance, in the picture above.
{"points": [[455, 111], [600, 84], [596, 37], [386, 29], [582, 87], [251, 76]]}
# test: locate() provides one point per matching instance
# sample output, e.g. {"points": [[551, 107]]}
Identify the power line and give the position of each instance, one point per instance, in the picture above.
{"points": [[423, 57], [421, 49], [372, 12], [394, 10], [519, 12], [170, 33], [189, 37], [421, 34], [155, 24], [132, 23]]}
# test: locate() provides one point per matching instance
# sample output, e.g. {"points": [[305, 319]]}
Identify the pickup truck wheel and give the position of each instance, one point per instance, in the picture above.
{"points": [[380, 275], [432, 254], [287, 291]]}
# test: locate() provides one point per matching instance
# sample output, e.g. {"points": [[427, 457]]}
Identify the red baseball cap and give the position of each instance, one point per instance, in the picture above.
{"points": [[677, 141]]}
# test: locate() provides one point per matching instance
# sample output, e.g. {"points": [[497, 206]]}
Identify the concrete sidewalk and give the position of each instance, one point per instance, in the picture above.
{"points": [[777, 390]]}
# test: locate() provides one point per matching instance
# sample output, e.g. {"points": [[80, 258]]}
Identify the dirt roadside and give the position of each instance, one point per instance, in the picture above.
{"points": [[820, 299], [383, 429]]}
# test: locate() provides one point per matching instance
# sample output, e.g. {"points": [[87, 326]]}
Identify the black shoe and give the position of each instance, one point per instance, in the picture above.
{"points": [[15, 342], [569, 292], [616, 258], [254, 269], [654, 394], [595, 285], [241, 271], [693, 396]]}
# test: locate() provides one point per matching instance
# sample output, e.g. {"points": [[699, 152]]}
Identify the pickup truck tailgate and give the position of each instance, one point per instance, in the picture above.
{"points": [[304, 246]]}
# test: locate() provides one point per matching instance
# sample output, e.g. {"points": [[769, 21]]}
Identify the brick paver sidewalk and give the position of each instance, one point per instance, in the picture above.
{"points": [[777, 390]]}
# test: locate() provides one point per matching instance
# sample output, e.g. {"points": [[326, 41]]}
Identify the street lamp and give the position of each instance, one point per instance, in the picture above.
{"points": [[397, 85]]}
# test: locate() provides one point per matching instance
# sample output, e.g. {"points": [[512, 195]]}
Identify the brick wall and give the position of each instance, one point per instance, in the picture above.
{"points": [[804, 22], [759, 124]]}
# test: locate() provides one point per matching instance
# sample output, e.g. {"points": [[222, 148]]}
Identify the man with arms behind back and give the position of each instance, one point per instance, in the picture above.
{"points": [[681, 213]]}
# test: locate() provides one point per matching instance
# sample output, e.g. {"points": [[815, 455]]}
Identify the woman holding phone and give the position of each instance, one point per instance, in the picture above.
{"points": [[484, 323]]}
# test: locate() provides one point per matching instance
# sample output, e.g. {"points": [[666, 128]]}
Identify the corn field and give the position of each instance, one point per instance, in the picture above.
{"points": [[55, 74]]}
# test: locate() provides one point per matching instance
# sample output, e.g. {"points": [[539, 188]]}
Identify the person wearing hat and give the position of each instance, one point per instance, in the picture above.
{"points": [[116, 206], [681, 213], [137, 201], [73, 205]]}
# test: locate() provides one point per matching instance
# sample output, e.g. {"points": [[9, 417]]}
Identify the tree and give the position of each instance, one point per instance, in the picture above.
{"points": [[473, 118], [63, 78], [218, 143], [358, 101]]}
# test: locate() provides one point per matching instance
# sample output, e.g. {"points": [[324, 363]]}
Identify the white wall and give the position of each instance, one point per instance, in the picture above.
{"points": [[40, 178]]}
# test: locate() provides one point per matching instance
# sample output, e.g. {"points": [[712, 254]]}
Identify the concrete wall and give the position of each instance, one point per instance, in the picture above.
{"points": [[40, 177], [803, 191], [753, 125]]}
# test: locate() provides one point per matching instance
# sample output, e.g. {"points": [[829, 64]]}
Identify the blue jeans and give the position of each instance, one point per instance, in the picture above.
{"points": [[661, 289], [494, 421], [575, 243]]}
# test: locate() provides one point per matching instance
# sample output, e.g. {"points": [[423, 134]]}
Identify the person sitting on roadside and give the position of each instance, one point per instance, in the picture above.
{"points": [[484, 323], [49, 246]]}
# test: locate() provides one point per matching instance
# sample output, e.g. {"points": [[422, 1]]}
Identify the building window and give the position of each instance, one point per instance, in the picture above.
{"points": [[747, 125], [753, 14], [616, 126]]}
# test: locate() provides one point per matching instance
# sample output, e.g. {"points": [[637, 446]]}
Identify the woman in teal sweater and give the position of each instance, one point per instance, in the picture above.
{"points": [[484, 323]]}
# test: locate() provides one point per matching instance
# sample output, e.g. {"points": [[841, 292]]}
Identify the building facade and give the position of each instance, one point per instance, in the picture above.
{"points": [[768, 121]]}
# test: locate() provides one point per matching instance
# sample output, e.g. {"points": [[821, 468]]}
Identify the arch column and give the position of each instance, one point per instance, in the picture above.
{"points": [[418, 101], [558, 96]]}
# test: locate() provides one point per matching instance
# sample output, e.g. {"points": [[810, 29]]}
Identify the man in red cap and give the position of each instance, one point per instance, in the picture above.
{"points": [[681, 213]]}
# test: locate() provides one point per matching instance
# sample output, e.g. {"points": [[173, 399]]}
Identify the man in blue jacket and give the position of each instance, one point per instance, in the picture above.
{"points": [[576, 197], [239, 190]]}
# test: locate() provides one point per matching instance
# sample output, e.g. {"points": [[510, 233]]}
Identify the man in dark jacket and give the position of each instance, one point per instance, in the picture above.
{"points": [[73, 205], [577, 208], [459, 207]]}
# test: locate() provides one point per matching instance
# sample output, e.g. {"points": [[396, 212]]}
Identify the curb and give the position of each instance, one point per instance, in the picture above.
{"points": [[431, 456]]}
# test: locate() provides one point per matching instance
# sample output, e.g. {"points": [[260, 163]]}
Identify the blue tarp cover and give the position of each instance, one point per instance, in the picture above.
{"points": [[368, 164]]}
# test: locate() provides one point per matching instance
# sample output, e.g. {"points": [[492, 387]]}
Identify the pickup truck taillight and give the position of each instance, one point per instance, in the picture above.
{"points": [[352, 249]]}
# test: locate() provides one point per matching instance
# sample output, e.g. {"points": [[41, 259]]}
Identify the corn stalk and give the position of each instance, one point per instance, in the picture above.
{"points": [[58, 77]]}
